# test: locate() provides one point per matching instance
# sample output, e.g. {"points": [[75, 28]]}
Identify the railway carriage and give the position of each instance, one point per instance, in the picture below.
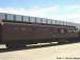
{"points": [[17, 30]]}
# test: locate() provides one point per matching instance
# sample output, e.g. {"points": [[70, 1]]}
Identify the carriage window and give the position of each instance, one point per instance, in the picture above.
{"points": [[10, 17], [2, 16], [38, 20], [61, 23], [49, 21], [66, 23], [32, 19], [25, 19], [18, 18], [57, 22], [43, 20], [53, 22], [71, 24]]}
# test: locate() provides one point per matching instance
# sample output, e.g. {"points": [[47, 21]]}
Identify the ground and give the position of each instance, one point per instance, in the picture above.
{"points": [[60, 52]]}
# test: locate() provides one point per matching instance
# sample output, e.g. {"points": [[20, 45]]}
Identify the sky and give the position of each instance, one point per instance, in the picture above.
{"points": [[64, 10]]}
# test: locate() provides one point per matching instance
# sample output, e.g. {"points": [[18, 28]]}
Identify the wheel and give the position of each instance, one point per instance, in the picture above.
{"points": [[63, 42], [15, 45], [60, 43]]}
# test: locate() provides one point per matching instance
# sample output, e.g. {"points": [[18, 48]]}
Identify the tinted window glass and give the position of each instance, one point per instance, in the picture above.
{"points": [[18, 18], [43, 20], [25, 18], [65, 23], [32, 19], [61, 22], [2, 16], [38, 20], [10, 17], [49, 21], [57, 22], [53, 22], [69, 23]]}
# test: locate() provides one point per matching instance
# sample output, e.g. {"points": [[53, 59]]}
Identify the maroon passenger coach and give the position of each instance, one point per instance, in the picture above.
{"points": [[18, 29]]}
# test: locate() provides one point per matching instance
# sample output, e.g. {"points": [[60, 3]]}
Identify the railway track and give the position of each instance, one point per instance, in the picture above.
{"points": [[33, 46]]}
